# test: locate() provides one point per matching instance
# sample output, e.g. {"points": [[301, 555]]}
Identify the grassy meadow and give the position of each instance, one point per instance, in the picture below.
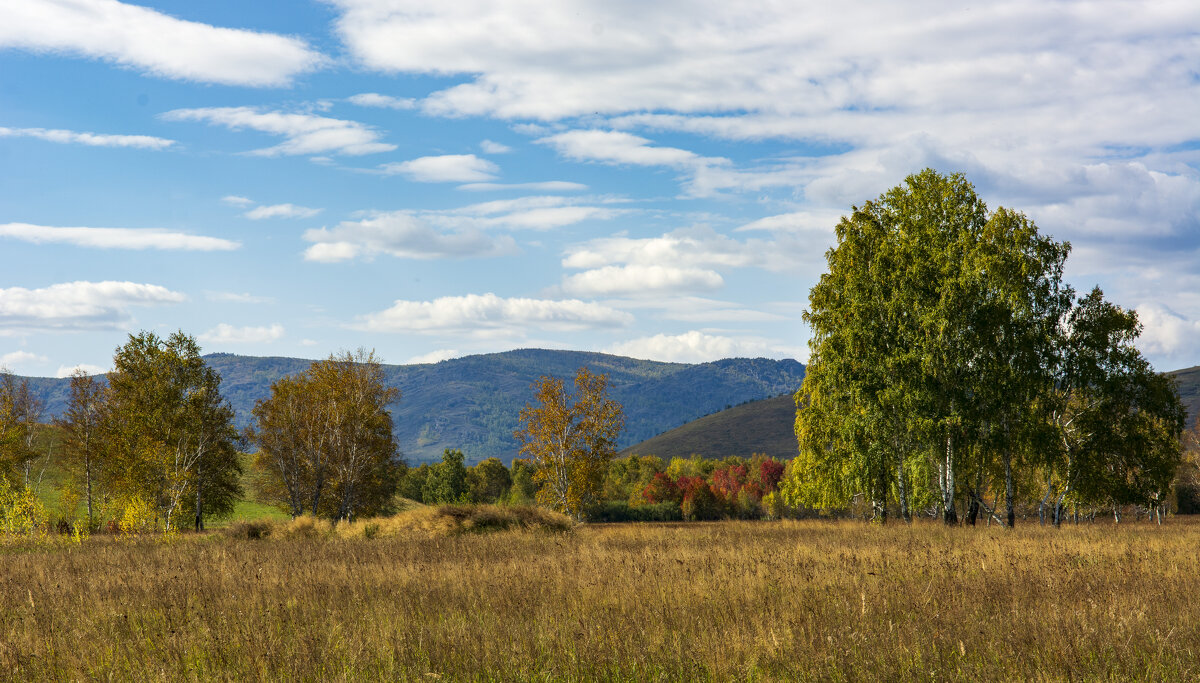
{"points": [[802, 600]]}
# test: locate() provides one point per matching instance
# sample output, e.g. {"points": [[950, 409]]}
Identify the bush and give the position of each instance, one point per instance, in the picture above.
{"points": [[249, 530], [620, 511]]}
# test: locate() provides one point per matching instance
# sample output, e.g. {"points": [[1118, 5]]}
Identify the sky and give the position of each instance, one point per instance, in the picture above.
{"points": [[658, 180]]}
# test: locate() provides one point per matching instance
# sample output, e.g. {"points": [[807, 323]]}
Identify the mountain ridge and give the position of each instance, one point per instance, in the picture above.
{"points": [[472, 402]]}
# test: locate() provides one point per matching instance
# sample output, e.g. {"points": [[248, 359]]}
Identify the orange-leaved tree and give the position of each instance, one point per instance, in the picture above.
{"points": [[570, 440]]}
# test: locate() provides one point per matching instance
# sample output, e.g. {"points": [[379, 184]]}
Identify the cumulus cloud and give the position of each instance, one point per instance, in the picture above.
{"points": [[225, 333], [17, 358], [281, 211], [488, 315], [490, 147], [697, 247], [154, 43], [434, 356], [90, 139], [79, 305], [372, 99], [235, 200], [303, 133], [447, 168], [402, 235], [65, 371], [698, 347], [115, 238], [641, 280], [1166, 333]]}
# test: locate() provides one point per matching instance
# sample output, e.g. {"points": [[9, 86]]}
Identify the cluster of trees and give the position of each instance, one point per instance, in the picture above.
{"points": [[325, 439], [156, 440], [630, 488], [156, 437], [950, 366]]}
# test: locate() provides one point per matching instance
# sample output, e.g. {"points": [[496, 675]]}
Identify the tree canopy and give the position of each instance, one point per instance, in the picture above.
{"points": [[949, 359]]}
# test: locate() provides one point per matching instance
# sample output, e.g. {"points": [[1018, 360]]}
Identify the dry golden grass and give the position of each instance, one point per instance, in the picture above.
{"points": [[723, 601]]}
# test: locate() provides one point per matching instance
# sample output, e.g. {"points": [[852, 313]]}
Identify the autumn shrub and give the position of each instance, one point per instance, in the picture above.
{"points": [[249, 530], [22, 514]]}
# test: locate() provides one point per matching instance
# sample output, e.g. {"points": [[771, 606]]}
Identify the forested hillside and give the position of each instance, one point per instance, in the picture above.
{"points": [[472, 402]]}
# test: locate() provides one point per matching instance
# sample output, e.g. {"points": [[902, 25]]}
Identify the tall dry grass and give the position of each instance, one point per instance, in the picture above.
{"points": [[723, 601]]}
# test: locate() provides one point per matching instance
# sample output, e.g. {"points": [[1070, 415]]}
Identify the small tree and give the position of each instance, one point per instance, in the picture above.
{"points": [[570, 440], [447, 480], [488, 481], [83, 436], [325, 439], [172, 434]]}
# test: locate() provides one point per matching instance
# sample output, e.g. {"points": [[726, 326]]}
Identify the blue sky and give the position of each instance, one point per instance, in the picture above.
{"points": [[658, 180]]}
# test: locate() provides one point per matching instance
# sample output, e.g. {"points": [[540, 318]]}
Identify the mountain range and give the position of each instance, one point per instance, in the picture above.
{"points": [[473, 402]]}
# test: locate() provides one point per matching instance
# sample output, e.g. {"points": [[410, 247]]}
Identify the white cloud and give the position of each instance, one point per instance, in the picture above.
{"points": [[155, 43], [615, 147], [281, 211], [235, 200], [1167, 333], [488, 315], [90, 139], [434, 356], [79, 305], [546, 186], [535, 213], [641, 280], [372, 99], [115, 238], [490, 147], [65, 371], [448, 168], [16, 358], [698, 247], [402, 235], [237, 298], [303, 133], [798, 221], [225, 333], [698, 347]]}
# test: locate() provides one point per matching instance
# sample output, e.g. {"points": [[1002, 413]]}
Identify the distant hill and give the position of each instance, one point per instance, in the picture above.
{"points": [[763, 426], [472, 402], [1188, 381], [766, 426]]}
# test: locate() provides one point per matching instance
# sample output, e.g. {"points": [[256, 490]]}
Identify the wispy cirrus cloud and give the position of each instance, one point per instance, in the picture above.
{"points": [[303, 133], [88, 139], [115, 238], [154, 42]]}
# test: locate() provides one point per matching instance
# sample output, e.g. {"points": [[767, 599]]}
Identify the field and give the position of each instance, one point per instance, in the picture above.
{"points": [[806, 600]]}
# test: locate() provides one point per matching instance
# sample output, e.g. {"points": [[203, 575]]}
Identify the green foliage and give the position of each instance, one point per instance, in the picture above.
{"points": [[948, 359], [447, 481], [169, 434], [621, 511], [489, 481]]}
